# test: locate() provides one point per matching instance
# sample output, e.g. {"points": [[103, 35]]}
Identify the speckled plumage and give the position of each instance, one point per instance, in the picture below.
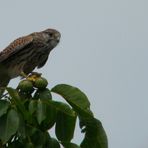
{"points": [[26, 53]]}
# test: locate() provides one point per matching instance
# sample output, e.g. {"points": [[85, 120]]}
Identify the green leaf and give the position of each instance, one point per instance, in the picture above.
{"points": [[29, 145], [15, 98], [22, 127], [95, 135], [46, 114], [65, 126], [70, 145], [8, 125], [75, 97], [36, 136], [50, 119], [53, 143], [13, 93], [41, 111], [32, 106], [72, 95], [38, 139], [4, 105], [62, 107]]}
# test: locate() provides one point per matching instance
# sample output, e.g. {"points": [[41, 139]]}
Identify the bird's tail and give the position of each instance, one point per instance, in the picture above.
{"points": [[4, 80]]}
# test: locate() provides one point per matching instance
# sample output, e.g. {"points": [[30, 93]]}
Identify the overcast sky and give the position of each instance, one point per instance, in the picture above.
{"points": [[103, 51]]}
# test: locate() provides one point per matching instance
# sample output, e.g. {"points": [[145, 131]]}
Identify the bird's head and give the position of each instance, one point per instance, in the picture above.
{"points": [[51, 37]]}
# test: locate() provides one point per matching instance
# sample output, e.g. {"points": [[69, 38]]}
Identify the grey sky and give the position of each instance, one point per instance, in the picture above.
{"points": [[103, 51]]}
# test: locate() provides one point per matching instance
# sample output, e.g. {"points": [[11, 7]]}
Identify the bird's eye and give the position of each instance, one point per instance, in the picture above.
{"points": [[50, 34]]}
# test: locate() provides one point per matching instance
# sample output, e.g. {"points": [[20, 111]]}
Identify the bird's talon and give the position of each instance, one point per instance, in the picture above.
{"points": [[33, 76]]}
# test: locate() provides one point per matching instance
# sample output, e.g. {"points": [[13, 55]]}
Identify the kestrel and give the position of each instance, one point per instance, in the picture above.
{"points": [[26, 53]]}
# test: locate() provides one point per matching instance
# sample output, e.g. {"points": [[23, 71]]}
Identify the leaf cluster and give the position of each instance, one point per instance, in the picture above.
{"points": [[29, 112]]}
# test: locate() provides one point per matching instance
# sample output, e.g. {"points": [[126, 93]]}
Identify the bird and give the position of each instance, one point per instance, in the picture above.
{"points": [[26, 53]]}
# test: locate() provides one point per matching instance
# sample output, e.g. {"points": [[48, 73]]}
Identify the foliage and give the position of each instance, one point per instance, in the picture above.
{"points": [[28, 112]]}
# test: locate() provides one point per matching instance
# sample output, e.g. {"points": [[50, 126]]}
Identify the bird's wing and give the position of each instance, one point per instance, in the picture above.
{"points": [[42, 61], [15, 46]]}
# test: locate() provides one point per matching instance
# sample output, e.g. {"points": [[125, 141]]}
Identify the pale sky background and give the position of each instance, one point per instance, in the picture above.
{"points": [[103, 51]]}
